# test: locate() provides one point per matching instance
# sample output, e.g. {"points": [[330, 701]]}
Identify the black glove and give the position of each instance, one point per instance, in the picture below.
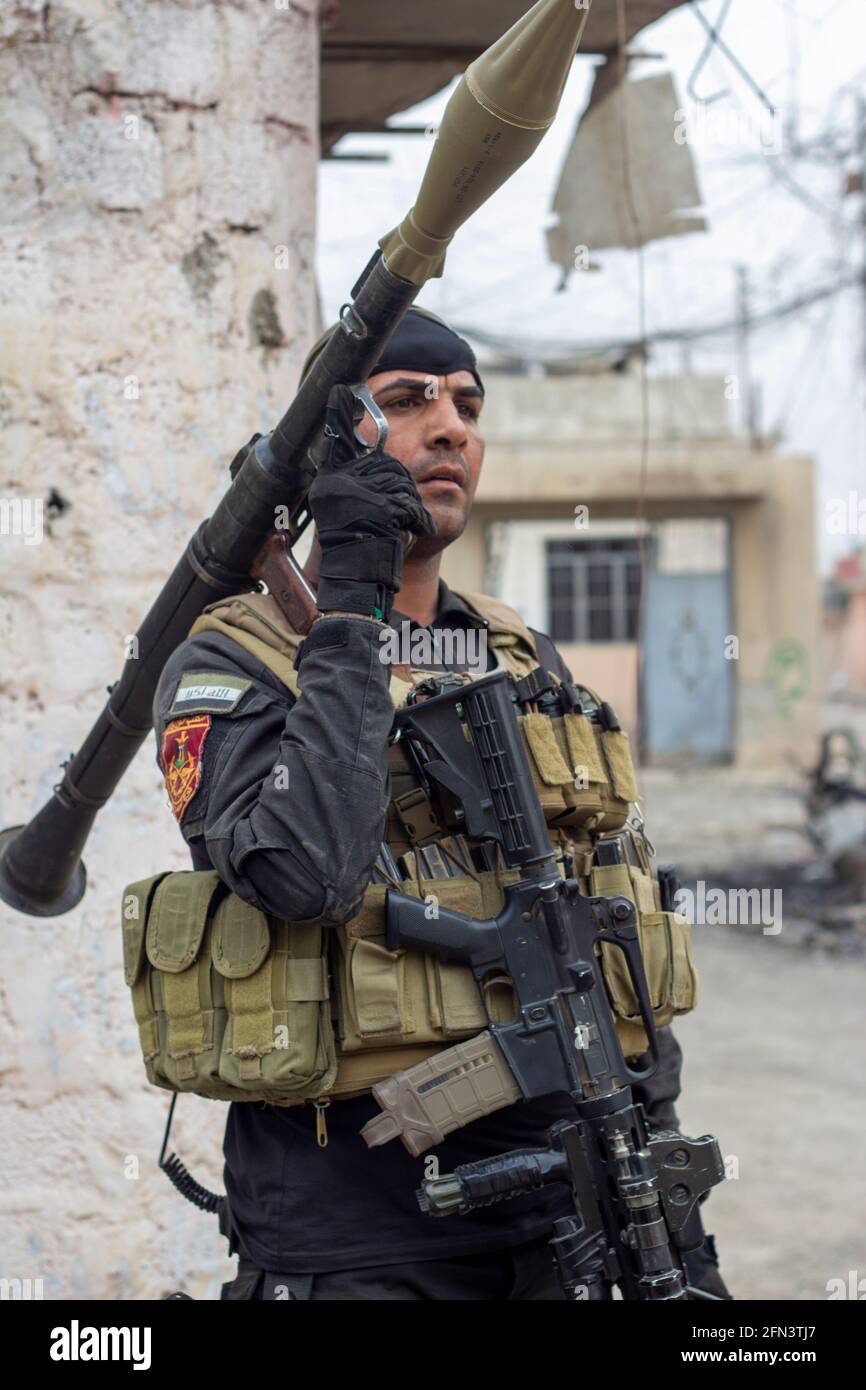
{"points": [[362, 507]]}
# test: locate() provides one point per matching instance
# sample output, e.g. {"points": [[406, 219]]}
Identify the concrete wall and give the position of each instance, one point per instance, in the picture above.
{"points": [[776, 605], [844, 644], [156, 299]]}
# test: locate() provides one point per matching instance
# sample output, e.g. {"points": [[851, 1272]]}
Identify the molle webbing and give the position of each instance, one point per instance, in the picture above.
{"points": [[235, 1005], [583, 749]]}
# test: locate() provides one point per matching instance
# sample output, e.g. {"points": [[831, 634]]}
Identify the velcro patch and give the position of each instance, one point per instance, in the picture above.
{"points": [[181, 759], [208, 692]]}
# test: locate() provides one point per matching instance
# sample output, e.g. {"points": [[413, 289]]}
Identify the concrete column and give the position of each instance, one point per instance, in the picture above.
{"points": [[157, 211]]}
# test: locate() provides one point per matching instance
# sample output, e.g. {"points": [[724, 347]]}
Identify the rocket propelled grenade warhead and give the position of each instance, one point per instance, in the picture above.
{"points": [[496, 117]]}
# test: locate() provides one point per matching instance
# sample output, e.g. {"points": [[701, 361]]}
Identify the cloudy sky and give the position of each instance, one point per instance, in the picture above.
{"points": [[774, 202]]}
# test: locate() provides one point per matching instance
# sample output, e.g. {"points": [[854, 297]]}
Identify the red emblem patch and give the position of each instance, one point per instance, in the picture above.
{"points": [[181, 759]]}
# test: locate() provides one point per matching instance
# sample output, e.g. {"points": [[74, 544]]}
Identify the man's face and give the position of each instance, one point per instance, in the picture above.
{"points": [[434, 431]]}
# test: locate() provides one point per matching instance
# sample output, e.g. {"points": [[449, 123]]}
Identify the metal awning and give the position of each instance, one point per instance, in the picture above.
{"points": [[379, 58]]}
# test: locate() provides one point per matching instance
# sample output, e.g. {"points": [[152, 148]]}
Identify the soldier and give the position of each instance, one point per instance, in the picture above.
{"points": [[290, 799]]}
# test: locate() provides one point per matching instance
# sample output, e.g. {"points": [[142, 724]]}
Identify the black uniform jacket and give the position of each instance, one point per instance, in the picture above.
{"points": [[290, 811]]}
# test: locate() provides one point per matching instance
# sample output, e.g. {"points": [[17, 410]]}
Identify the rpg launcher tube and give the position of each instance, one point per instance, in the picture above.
{"points": [[494, 120]]}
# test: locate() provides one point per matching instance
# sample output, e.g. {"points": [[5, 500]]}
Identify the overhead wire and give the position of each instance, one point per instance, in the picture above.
{"points": [[799, 377], [637, 234], [561, 352], [699, 66], [815, 342], [716, 39]]}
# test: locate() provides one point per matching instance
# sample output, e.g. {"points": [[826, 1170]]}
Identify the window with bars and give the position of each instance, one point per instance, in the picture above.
{"points": [[593, 589]]}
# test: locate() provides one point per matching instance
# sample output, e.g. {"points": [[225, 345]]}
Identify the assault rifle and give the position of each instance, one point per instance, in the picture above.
{"points": [[633, 1191]]}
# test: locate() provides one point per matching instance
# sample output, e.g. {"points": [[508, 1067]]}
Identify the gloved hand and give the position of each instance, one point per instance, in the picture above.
{"points": [[362, 507]]}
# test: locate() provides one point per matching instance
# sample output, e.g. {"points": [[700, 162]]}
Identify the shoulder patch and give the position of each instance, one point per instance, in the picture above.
{"points": [[181, 759], [208, 692]]}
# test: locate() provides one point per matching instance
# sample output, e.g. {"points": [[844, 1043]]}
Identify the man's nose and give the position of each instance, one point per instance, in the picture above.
{"points": [[445, 427]]}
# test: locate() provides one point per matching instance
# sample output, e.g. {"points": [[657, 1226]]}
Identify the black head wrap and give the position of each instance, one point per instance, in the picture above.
{"points": [[421, 342]]}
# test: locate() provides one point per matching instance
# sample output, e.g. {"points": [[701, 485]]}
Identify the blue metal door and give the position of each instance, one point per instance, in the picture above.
{"points": [[688, 664]]}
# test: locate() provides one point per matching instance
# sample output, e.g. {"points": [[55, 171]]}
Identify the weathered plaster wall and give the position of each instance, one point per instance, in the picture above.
{"points": [[157, 206]]}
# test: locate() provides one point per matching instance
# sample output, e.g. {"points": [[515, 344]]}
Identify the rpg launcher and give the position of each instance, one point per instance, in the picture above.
{"points": [[495, 118]]}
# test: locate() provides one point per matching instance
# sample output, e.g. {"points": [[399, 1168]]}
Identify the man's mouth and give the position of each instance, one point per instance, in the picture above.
{"points": [[444, 475]]}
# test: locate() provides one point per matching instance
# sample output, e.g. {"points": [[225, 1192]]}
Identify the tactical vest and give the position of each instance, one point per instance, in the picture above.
{"points": [[234, 1004]]}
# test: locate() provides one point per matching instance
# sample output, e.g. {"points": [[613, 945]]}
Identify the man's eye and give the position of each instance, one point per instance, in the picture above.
{"points": [[467, 408]]}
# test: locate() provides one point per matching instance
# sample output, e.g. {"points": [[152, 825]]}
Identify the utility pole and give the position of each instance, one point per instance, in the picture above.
{"points": [[792, 105], [744, 369], [861, 146]]}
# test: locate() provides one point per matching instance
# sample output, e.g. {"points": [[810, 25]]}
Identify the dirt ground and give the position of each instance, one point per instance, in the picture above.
{"points": [[774, 1068], [774, 1053]]}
